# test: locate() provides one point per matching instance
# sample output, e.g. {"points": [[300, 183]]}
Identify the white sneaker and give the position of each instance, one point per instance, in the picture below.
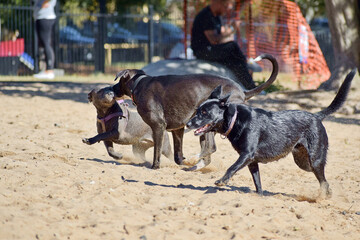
{"points": [[252, 65], [44, 75]]}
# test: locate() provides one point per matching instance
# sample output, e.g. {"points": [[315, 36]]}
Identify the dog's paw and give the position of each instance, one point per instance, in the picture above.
{"points": [[189, 169], [220, 183], [117, 156], [179, 160], [155, 166], [86, 141]]}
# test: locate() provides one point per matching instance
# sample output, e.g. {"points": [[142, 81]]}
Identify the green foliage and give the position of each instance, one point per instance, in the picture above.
{"points": [[124, 6], [11, 28], [276, 86], [120, 6], [84, 6], [317, 6], [16, 3]]}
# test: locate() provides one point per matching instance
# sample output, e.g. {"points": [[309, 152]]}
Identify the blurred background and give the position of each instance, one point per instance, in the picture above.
{"points": [[109, 35]]}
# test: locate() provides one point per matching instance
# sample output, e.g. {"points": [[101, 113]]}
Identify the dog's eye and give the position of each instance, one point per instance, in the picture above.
{"points": [[203, 112]]}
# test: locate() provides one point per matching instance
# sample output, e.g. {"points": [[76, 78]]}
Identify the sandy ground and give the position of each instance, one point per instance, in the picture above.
{"points": [[52, 186]]}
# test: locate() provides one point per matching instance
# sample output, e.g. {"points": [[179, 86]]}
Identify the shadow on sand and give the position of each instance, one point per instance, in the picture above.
{"points": [[54, 90], [206, 189]]}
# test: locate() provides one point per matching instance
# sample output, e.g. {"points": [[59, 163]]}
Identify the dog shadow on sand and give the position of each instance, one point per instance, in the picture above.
{"points": [[206, 189], [114, 162], [54, 90]]}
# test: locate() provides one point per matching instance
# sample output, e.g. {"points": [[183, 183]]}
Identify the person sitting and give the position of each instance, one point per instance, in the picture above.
{"points": [[211, 40]]}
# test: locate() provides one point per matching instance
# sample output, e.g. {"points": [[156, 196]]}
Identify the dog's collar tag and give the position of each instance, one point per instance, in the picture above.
{"points": [[232, 123]]}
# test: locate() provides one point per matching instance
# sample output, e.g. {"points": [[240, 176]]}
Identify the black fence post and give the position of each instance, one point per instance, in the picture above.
{"points": [[151, 33], [100, 39], [56, 42], [36, 48]]}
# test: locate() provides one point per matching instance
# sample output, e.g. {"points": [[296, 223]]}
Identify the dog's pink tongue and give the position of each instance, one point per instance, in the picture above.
{"points": [[200, 130], [197, 131]]}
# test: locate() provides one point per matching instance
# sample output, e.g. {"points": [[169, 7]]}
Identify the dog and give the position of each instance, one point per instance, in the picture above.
{"points": [[261, 136], [168, 102], [117, 124]]}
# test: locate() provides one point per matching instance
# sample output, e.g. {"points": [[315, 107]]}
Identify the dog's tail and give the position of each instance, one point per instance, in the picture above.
{"points": [[255, 91], [339, 98]]}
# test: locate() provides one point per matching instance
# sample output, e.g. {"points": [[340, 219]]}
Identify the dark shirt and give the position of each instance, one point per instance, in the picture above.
{"points": [[204, 20]]}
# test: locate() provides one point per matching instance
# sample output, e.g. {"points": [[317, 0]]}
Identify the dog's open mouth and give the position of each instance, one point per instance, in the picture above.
{"points": [[203, 129]]}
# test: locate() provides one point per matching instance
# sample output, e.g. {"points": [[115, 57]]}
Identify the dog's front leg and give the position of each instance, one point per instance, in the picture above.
{"points": [[158, 136], [243, 160], [208, 146], [101, 137]]}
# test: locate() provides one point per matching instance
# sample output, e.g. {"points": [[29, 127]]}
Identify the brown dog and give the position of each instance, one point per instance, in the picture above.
{"points": [[168, 102], [117, 124]]}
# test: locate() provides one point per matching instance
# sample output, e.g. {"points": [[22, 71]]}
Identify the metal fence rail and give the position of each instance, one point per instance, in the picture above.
{"points": [[85, 43], [16, 38]]}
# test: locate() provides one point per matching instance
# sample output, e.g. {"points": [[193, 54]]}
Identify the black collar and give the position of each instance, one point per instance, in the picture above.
{"points": [[134, 85], [136, 82]]}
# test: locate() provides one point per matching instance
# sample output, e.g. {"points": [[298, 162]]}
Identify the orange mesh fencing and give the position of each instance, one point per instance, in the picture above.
{"points": [[276, 27]]}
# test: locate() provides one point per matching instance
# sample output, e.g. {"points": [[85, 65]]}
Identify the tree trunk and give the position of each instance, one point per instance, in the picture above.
{"points": [[344, 23]]}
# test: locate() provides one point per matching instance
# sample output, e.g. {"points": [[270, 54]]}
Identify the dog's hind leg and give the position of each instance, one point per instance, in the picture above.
{"points": [[315, 164], [178, 136], [325, 191], [318, 168], [111, 151], [139, 149], [301, 157], [255, 173]]}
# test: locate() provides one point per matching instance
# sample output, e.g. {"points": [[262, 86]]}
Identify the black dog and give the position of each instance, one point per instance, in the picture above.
{"points": [[261, 136], [168, 102]]}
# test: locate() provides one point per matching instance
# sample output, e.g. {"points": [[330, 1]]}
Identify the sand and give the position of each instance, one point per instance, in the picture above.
{"points": [[52, 186]]}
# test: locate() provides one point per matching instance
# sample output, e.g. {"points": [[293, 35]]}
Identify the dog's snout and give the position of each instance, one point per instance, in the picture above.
{"points": [[117, 90]]}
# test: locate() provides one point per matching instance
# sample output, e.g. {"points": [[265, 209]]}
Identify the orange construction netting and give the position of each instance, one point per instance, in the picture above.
{"points": [[276, 27]]}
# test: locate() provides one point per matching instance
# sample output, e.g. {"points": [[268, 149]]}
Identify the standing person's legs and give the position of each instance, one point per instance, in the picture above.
{"points": [[44, 31]]}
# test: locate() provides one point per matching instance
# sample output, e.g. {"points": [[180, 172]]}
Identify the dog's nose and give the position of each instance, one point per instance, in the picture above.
{"points": [[109, 95]]}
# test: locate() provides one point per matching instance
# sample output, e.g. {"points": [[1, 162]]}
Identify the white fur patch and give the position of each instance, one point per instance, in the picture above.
{"points": [[198, 166], [257, 59]]}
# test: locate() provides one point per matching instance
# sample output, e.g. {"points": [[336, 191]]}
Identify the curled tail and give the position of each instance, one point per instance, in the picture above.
{"points": [[339, 98], [255, 91]]}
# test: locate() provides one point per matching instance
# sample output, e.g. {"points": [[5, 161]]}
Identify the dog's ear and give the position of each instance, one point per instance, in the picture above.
{"points": [[123, 74], [216, 93], [224, 100], [90, 95]]}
